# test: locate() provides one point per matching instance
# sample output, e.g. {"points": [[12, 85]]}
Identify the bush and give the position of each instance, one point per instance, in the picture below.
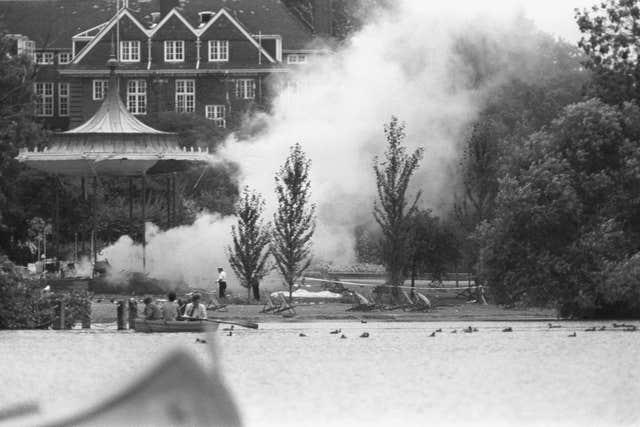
{"points": [[23, 304]]}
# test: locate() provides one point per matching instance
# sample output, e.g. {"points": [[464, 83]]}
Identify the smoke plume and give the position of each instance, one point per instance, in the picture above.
{"points": [[405, 62]]}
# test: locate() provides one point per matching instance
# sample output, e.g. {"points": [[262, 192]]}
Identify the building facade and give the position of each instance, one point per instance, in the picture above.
{"points": [[218, 59]]}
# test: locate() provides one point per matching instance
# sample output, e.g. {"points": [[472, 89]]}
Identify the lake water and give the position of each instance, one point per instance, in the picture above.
{"points": [[399, 376]]}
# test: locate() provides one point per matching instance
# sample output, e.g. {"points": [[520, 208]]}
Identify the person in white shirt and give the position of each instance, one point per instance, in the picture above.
{"points": [[222, 282], [194, 309]]}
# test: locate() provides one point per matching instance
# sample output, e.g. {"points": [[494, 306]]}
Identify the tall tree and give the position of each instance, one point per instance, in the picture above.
{"points": [[393, 210], [294, 221], [611, 40], [249, 253]]}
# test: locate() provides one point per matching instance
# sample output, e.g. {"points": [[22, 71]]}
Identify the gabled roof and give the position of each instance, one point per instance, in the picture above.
{"points": [[167, 17], [52, 23], [105, 30], [225, 13]]}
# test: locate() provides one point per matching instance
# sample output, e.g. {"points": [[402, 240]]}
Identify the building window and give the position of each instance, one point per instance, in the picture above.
{"points": [[63, 99], [44, 99], [217, 114], [64, 58], [245, 88], [44, 58], [185, 96], [296, 59], [27, 47], [174, 51], [100, 88], [137, 96], [130, 51], [218, 50]]}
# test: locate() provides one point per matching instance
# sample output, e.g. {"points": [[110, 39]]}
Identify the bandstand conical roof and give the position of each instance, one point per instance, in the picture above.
{"points": [[112, 143]]}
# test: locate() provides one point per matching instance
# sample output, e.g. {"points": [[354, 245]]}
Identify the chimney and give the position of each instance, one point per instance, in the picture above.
{"points": [[205, 16], [322, 18], [167, 5], [155, 18]]}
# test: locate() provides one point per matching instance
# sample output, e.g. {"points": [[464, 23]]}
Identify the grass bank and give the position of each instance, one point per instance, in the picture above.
{"points": [[105, 312]]}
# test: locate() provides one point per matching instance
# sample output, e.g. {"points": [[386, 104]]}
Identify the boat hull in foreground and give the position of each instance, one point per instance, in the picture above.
{"points": [[175, 326]]}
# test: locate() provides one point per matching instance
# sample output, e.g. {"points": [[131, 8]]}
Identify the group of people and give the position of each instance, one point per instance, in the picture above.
{"points": [[175, 309]]}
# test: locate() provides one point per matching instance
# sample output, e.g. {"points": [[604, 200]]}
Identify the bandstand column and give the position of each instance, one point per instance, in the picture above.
{"points": [[94, 226], [131, 207], [144, 223], [56, 219]]}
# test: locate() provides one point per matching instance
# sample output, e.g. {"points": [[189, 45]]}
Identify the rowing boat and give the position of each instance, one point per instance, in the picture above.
{"points": [[174, 326]]}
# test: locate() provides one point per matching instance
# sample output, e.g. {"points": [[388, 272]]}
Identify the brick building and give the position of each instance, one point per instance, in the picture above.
{"points": [[214, 58]]}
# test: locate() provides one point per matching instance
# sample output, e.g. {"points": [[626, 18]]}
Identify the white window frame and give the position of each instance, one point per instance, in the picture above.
{"points": [[297, 58], [27, 47], [44, 98], [246, 88], [64, 92], [137, 96], [65, 58], [185, 95], [100, 88], [44, 58], [217, 113], [174, 51], [129, 51], [218, 50]]}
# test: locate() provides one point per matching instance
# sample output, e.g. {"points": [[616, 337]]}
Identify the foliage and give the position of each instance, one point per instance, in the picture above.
{"points": [[294, 220], [611, 40], [568, 212], [393, 211], [367, 247], [23, 305], [527, 85], [434, 246], [251, 237]]}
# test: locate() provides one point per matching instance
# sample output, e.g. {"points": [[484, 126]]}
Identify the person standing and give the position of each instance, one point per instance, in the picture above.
{"points": [[222, 283]]}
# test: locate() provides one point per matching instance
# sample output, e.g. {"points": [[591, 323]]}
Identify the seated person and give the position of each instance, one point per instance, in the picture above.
{"points": [[170, 308], [194, 309], [151, 311]]}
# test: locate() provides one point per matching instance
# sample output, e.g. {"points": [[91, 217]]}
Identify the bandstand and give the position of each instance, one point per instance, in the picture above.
{"points": [[114, 143]]}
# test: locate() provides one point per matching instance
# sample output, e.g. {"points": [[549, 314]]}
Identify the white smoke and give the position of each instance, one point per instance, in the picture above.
{"points": [[401, 63]]}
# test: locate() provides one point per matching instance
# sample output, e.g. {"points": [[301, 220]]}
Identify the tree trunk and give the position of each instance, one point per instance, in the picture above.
{"points": [[248, 293], [256, 291]]}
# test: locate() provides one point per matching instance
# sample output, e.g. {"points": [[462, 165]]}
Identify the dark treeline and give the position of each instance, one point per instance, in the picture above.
{"points": [[547, 211]]}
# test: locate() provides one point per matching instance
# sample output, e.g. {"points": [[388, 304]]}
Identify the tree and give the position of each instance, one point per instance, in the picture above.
{"points": [[251, 237], [567, 214], [294, 221], [434, 246], [611, 41], [393, 211]]}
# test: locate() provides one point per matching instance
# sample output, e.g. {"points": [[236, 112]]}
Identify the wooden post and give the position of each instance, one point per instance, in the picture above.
{"points": [[61, 308], [133, 313], [144, 223], [86, 318], [120, 311]]}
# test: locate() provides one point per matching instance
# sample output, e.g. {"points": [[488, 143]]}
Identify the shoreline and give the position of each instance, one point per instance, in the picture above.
{"points": [[105, 312]]}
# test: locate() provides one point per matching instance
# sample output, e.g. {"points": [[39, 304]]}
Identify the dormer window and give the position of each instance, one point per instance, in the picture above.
{"points": [[130, 51], [218, 50], [64, 58], [174, 50], [296, 59], [44, 58]]}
